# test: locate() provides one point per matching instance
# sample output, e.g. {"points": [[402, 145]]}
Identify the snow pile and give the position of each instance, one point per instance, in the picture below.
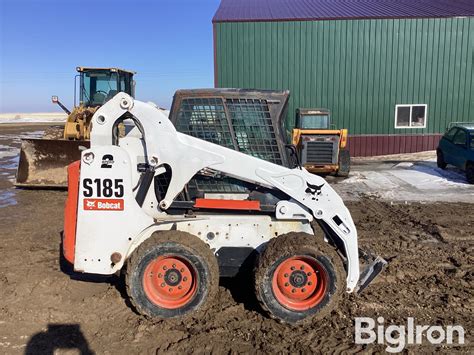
{"points": [[408, 181], [19, 118]]}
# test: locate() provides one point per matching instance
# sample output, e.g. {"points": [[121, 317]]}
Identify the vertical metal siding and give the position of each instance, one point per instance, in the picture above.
{"points": [[359, 69]]}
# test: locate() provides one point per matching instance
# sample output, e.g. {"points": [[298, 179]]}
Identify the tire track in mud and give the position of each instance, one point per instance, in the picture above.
{"points": [[430, 276]]}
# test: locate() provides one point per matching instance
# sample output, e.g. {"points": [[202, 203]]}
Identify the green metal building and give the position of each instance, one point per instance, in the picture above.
{"points": [[394, 73]]}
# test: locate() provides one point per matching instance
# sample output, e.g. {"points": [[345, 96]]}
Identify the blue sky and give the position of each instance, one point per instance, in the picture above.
{"points": [[168, 42]]}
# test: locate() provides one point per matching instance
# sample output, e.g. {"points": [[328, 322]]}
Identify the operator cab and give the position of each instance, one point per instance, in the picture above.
{"points": [[313, 118], [99, 85]]}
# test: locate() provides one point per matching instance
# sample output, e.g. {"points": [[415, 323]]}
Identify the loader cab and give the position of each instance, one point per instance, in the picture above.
{"points": [[99, 85], [313, 119]]}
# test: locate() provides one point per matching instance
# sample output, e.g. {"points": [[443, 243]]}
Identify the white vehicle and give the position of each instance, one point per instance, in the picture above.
{"points": [[114, 220]]}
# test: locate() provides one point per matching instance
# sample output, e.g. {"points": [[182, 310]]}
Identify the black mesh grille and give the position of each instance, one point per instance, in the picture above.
{"points": [[248, 129], [319, 152], [252, 125], [205, 119]]}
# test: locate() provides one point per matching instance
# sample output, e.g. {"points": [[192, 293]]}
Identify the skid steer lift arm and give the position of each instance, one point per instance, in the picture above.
{"points": [[311, 197]]}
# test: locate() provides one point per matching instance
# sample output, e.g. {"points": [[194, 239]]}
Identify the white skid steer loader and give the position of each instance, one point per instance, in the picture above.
{"points": [[114, 221]]}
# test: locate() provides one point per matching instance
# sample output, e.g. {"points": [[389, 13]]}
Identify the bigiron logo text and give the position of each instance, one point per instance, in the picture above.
{"points": [[396, 337]]}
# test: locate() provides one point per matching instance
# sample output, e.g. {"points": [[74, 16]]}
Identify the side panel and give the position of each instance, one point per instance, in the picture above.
{"points": [[70, 211], [233, 238], [108, 217], [371, 145]]}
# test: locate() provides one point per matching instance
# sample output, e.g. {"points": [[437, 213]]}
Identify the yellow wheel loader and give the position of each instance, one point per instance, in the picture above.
{"points": [[43, 162], [321, 148]]}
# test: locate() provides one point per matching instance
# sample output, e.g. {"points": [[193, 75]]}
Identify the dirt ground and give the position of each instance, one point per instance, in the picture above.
{"points": [[430, 277]]}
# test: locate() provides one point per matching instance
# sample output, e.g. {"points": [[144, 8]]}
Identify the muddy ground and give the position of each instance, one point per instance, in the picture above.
{"points": [[430, 277]]}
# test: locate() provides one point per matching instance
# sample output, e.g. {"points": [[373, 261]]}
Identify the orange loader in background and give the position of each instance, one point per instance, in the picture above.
{"points": [[321, 148]]}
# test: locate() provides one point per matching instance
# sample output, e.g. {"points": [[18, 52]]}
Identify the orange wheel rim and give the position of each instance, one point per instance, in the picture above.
{"points": [[170, 282], [300, 283]]}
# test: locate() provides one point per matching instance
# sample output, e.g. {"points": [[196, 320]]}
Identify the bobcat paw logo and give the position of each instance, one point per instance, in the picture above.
{"points": [[314, 190], [90, 204]]}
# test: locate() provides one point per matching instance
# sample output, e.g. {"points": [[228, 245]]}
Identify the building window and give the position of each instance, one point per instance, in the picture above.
{"points": [[410, 116]]}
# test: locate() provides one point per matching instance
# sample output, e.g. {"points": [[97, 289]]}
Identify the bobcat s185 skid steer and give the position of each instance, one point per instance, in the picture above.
{"points": [[303, 247]]}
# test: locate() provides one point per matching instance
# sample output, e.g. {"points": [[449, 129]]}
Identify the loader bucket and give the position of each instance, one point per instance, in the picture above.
{"points": [[43, 162]]}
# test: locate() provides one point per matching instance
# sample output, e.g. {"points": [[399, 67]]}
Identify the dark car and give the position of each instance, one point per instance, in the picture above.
{"points": [[456, 148]]}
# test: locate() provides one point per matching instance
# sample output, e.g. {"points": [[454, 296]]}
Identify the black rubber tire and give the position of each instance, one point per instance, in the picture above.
{"points": [[186, 246], [344, 162], [470, 172], [298, 244], [440, 160]]}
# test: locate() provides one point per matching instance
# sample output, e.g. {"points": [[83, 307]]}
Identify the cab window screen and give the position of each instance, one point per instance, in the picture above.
{"points": [[205, 118], [252, 124]]}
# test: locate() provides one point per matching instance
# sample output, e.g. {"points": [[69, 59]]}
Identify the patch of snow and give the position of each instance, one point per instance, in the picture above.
{"points": [[15, 138], [407, 181], [10, 163], [8, 153], [448, 177], [379, 181], [7, 198], [19, 118], [33, 134], [404, 165], [355, 177]]}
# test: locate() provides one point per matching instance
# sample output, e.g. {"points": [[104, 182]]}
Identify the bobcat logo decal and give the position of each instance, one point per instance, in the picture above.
{"points": [[90, 204], [314, 190]]}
